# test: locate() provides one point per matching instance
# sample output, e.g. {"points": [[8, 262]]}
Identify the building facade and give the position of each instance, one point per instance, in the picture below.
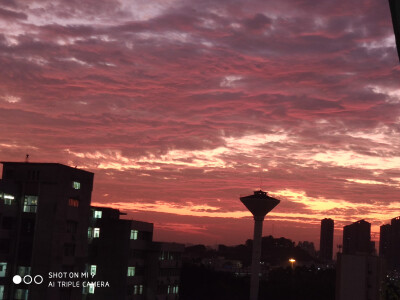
{"points": [[359, 276], [48, 228], [44, 209]]}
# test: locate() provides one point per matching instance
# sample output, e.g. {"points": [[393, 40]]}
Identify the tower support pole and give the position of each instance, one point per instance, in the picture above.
{"points": [[255, 264]]}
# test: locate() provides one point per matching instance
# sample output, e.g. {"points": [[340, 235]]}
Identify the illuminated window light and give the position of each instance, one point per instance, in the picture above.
{"points": [[73, 202], [91, 288], [134, 234], [93, 269], [131, 271], [3, 269], [98, 214], [30, 204]]}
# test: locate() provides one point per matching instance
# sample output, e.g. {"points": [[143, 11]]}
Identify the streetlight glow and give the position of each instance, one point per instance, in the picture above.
{"points": [[292, 261]]}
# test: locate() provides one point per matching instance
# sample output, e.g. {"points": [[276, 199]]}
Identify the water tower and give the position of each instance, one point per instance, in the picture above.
{"points": [[259, 205]]}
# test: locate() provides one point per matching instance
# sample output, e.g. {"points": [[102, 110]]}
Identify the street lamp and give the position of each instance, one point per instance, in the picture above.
{"points": [[292, 261]]}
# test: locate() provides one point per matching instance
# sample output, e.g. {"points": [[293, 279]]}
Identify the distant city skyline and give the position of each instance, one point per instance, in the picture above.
{"points": [[180, 107]]}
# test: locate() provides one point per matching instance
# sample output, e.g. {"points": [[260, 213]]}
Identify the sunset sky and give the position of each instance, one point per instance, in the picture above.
{"points": [[180, 107]]}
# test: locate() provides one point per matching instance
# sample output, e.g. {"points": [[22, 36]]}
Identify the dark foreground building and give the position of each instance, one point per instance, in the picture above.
{"points": [[48, 230], [122, 252], [359, 276], [357, 238], [389, 244], [326, 240], [44, 219]]}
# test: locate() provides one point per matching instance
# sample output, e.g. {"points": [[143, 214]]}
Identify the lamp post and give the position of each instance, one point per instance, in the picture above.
{"points": [[259, 204]]}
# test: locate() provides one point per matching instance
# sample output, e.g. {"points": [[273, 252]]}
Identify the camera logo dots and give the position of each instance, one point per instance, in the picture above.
{"points": [[17, 279], [27, 279]]}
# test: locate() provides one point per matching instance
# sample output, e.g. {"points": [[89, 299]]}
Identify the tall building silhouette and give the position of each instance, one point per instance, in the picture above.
{"points": [[359, 272], [389, 244], [326, 240], [357, 238]]}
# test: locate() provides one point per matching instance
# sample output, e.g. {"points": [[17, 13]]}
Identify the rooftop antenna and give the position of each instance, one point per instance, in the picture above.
{"points": [[27, 158]]}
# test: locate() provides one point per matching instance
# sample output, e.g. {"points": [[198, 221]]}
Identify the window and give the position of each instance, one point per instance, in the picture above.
{"points": [[76, 185], [69, 249], [96, 233], [90, 232], [172, 289], [138, 289], [97, 214], [2, 292], [134, 234], [91, 288], [8, 199], [72, 226], [5, 245], [175, 289], [8, 223], [93, 269], [21, 294], [3, 269], [30, 204], [131, 271], [22, 271], [73, 202]]}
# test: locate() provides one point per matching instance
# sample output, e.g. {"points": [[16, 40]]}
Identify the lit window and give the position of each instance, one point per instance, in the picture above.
{"points": [[169, 289], [8, 199], [175, 289], [96, 233], [73, 202], [131, 271], [2, 292], [30, 204], [3, 269], [97, 214], [90, 232], [134, 234], [93, 269], [21, 294], [85, 290], [135, 289], [141, 289], [91, 288], [22, 271], [76, 185]]}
